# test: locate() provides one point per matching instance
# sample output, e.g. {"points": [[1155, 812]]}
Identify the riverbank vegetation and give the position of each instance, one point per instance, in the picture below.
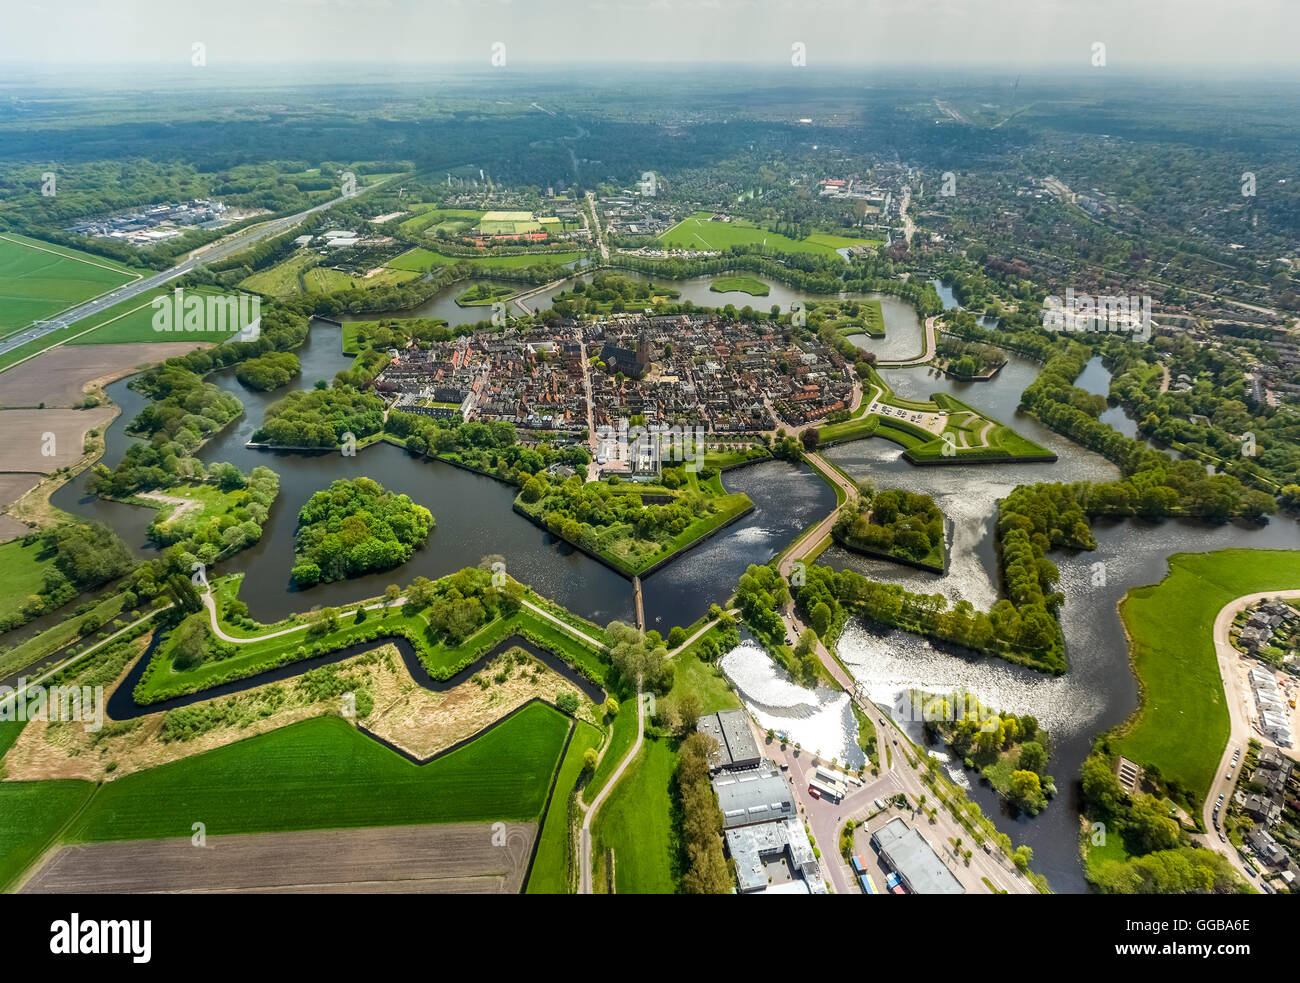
{"points": [[354, 528], [1010, 752]]}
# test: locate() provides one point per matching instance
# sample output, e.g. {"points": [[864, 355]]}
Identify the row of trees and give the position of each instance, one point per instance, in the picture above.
{"points": [[705, 869]]}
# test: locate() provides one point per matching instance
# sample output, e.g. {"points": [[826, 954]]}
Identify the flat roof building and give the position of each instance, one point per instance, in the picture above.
{"points": [[736, 745], [748, 797], [910, 855]]}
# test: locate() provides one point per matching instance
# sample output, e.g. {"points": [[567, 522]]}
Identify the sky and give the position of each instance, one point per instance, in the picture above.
{"points": [[1195, 35]]}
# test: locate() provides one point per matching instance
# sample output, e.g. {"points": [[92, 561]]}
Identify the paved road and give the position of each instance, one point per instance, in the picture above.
{"points": [[218, 250], [1237, 695], [585, 836], [595, 218]]}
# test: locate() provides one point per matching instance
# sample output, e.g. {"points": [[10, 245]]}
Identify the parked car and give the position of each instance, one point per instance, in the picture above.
{"points": [[1222, 838]]}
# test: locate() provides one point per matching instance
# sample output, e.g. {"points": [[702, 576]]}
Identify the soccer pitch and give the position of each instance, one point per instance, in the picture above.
{"points": [[37, 280]]}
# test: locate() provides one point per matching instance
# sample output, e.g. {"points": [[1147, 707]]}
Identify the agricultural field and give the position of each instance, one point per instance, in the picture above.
{"points": [[37, 280], [31, 815], [324, 774], [132, 321], [22, 573], [697, 231], [431, 220], [451, 858]]}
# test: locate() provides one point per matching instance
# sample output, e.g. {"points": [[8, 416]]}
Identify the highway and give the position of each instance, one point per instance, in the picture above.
{"points": [[205, 254]]}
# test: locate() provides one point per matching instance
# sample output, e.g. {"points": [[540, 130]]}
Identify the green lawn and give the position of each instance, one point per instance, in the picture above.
{"points": [[704, 679], [745, 284], [697, 231], [636, 823], [324, 774], [39, 279], [554, 857], [419, 260], [22, 573], [1182, 725], [281, 280], [624, 736]]}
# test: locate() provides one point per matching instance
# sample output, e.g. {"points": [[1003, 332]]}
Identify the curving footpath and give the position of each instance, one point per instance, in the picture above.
{"points": [[584, 860]]}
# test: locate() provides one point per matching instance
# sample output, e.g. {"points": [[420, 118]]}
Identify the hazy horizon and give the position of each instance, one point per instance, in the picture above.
{"points": [[1201, 36]]}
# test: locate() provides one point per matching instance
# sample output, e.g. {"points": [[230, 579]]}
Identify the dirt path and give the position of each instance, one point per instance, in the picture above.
{"points": [[183, 505]]}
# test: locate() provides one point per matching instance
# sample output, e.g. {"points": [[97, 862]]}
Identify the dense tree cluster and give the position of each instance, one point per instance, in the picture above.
{"points": [[490, 446], [586, 514], [895, 522], [608, 292], [458, 605], [983, 736], [321, 418], [638, 657], [192, 644], [269, 371], [1162, 857], [353, 528], [184, 402], [705, 869]]}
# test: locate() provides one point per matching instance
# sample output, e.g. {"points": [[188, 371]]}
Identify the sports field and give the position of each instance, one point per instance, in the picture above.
{"points": [[37, 280], [698, 231]]}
